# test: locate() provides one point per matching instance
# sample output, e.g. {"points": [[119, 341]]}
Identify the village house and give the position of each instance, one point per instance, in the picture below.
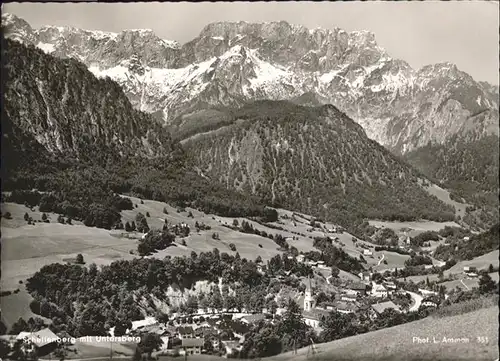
{"points": [[330, 306], [253, 319], [192, 346], [349, 297], [426, 293], [365, 276], [378, 290], [390, 285], [313, 318], [379, 308], [140, 324], [261, 269], [470, 271], [40, 342], [231, 346], [344, 307], [215, 344], [185, 332], [356, 288], [321, 264], [367, 252], [429, 302], [164, 342], [300, 258]]}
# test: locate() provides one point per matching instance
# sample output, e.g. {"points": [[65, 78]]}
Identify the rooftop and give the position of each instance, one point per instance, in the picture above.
{"points": [[39, 338], [357, 286], [381, 307], [183, 330], [193, 342], [378, 287], [315, 314], [254, 318]]}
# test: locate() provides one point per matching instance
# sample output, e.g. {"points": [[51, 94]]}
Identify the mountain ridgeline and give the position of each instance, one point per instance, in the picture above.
{"points": [[232, 62], [313, 159]]}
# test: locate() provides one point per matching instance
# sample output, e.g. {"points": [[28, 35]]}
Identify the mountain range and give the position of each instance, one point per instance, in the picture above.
{"points": [[271, 110], [229, 64]]}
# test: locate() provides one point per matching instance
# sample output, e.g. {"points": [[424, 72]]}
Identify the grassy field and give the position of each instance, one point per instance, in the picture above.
{"points": [[45, 243], [393, 260], [481, 262], [467, 283], [397, 343], [416, 227], [444, 195], [247, 245], [17, 305], [27, 248]]}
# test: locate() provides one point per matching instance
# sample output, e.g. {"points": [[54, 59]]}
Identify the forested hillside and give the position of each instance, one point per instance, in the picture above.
{"points": [[313, 159]]}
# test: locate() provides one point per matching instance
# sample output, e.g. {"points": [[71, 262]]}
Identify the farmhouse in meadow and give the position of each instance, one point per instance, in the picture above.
{"points": [[40, 342]]}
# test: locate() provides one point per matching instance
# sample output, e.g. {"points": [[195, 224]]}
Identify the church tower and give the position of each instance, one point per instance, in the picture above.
{"points": [[309, 303]]}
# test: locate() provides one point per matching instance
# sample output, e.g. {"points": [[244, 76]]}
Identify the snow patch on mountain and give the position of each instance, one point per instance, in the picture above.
{"points": [[47, 48]]}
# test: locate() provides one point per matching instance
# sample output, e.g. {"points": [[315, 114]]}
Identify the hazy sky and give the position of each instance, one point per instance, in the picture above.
{"points": [[463, 32]]}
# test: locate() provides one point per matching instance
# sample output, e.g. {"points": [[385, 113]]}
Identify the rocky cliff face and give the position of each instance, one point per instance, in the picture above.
{"points": [[231, 63], [66, 110]]}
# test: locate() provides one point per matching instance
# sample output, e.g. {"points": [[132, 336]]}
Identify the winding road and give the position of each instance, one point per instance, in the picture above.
{"points": [[417, 299], [380, 260], [462, 281]]}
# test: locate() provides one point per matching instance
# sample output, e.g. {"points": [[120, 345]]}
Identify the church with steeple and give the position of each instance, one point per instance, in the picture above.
{"points": [[311, 314], [309, 301]]}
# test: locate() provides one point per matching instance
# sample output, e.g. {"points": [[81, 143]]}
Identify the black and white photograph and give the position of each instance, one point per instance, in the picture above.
{"points": [[272, 181]]}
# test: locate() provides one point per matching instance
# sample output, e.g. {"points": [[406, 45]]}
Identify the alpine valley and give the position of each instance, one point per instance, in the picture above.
{"points": [[221, 95], [260, 190]]}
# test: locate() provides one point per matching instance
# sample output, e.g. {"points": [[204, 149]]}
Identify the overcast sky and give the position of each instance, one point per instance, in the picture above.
{"points": [[463, 32]]}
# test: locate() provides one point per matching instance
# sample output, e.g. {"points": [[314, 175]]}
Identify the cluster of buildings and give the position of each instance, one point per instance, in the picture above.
{"points": [[350, 300], [181, 229], [212, 332], [303, 259], [470, 271]]}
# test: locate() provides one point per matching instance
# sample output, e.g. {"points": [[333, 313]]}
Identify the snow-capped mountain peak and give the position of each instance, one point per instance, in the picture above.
{"points": [[232, 62]]}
